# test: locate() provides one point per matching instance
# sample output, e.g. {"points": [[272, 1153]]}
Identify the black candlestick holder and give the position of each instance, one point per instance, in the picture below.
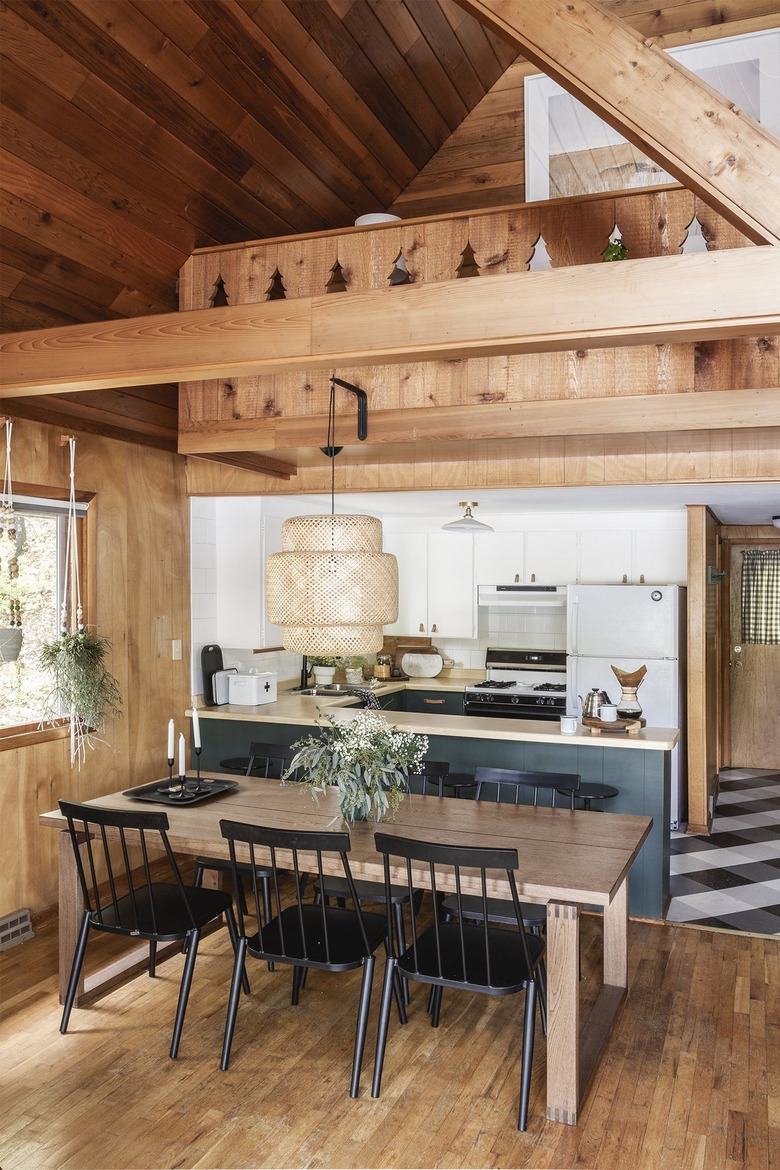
{"points": [[199, 785], [168, 788]]}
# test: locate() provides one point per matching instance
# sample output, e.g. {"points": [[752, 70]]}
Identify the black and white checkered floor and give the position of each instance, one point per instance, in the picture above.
{"points": [[732, 878]]}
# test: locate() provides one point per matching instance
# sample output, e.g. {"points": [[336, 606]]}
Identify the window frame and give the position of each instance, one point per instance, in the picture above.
{"points": [[17, 735]]}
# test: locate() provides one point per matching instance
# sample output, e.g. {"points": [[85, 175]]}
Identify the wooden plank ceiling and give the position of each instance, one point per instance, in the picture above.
{"points": [[136, 131]]}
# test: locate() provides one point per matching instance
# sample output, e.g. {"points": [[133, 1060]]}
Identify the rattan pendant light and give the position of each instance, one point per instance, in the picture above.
{"points": [[331, 588]]}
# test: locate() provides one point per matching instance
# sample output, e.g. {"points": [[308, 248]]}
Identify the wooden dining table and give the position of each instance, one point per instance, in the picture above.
{"points": [[566, 859]]}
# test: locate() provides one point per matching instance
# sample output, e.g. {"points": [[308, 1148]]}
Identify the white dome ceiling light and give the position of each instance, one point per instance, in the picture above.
{"points": [[467, 522]]}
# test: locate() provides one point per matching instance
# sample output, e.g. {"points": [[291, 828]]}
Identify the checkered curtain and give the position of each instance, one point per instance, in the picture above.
{"points": [[761, 596]]}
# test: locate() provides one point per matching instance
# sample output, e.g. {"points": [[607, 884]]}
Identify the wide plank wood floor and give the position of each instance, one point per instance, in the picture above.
{"points": [[690, 1080]]}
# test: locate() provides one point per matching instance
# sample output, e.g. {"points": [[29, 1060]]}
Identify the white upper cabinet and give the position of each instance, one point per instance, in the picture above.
{"points": [[240, 609], [411, 551], [550, 558], [435, 584], [451, 593], [660, 557], [606, 557], [498, 558]]}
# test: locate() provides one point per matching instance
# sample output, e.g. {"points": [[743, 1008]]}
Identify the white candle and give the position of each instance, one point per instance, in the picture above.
{"points": [[170, 741], [182, 755], [195, 728]]}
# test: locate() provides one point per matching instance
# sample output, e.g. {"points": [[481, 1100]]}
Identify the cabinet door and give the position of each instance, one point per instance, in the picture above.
{"points": [[240, 611], [410, 550], [605, 557], [661, 558], [451, 592], [550, 558], [498, 558], [435, 702]]}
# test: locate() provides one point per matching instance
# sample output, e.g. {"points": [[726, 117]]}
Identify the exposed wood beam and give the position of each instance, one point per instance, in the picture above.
{"points": [[711, 410], [695, 133], [632, 302]]}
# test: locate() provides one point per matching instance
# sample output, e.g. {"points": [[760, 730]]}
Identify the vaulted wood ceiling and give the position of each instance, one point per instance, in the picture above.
{"points": [[138, 130]]}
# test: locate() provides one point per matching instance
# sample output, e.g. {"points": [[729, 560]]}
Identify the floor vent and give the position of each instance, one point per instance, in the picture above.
{"points": [[15, 928]]}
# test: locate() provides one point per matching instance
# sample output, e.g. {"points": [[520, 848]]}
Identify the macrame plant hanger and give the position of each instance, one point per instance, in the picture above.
{"points": [[71, 575], [8, 532]]}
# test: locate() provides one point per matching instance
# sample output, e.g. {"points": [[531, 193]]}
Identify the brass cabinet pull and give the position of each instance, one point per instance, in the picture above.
{"points": [[434, 702], [433, 628]]}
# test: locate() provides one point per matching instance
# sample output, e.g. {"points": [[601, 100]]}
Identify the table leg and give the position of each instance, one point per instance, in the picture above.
{"points": [[71, 912], [563, 1011]]}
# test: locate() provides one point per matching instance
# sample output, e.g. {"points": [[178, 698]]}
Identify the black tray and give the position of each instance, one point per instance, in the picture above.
{"points": [[150, 792]]}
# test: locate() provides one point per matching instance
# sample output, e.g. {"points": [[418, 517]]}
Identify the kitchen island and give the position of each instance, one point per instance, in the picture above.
{"points": [[638, 765]]}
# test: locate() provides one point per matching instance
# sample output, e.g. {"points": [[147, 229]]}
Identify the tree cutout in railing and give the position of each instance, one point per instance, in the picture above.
{"points": [[540, 257], [219, 297], [615, 249], [468, 263], [695, 240], [276, 290], [400, 273], [336, 282]]}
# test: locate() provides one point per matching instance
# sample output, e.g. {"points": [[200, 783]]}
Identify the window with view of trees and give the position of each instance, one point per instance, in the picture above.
{"points": [[32, 565]]}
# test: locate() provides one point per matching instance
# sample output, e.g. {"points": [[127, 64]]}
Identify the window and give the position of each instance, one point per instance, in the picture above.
{"points": [[32, 569], [570, 151]]}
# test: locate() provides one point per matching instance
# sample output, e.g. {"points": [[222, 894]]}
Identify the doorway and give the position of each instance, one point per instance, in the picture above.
{"points": [[752, 648]]}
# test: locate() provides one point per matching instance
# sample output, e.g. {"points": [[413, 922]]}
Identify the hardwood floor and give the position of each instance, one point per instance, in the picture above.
{"points": [[691, 1077]]}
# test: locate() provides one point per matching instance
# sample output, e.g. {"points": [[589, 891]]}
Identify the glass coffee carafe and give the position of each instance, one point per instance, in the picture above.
{"points": [[628, 705]]}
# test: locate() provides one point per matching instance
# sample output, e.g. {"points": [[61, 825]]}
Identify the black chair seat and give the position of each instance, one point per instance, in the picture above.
{"points": [[333, 887], [298, 935], [588, 792], [457, 781], [508, 970], [499, 910], [155, 912]]}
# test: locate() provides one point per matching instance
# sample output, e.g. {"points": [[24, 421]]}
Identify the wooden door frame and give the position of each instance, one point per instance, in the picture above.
{"points": [[730, 535]]}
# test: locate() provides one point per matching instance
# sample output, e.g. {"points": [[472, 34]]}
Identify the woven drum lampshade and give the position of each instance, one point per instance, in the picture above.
{"points": [[331, 588]]}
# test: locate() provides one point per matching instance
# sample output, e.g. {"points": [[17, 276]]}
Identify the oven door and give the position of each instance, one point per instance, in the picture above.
{"points": [[500, 711]]}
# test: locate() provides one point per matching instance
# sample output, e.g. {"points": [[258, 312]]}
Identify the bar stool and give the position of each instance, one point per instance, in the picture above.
{"points": [[588, 792], [455, 780]]}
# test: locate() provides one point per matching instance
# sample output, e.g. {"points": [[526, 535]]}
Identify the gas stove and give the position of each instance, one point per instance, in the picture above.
{"points": [[520, 684]]}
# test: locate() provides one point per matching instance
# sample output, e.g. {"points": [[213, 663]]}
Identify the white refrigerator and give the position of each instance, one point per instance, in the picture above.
{"points": [[629, 626]]}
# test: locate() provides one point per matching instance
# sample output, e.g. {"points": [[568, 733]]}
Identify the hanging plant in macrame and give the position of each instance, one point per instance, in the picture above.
{"points": [[83, 688], [11, 544]]}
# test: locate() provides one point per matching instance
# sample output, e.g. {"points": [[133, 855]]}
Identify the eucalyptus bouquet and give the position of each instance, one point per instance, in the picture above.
{"points": [[366, 758]]}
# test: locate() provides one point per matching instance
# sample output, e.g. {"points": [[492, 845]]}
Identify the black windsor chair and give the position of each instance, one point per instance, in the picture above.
{"points": [[118, 846], [267, 760], [434, 772], [303, 935], [455, 953], [508, 780]]}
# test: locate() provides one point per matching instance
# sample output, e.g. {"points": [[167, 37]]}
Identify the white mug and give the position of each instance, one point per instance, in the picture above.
{"points": [[608, 713], [568, 724]]}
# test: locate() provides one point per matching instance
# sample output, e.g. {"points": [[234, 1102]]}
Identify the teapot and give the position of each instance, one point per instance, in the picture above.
{"points": [[592, 701]]}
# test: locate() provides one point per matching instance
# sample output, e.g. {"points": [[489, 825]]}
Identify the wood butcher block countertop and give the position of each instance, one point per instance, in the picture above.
{"points": [[307, 709]]}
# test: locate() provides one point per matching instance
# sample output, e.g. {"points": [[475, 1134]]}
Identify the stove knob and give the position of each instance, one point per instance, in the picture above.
{"points": [[515, 699]]}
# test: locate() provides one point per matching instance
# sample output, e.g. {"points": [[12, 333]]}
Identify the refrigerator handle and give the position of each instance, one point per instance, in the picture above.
{"points": [[573, 624]]}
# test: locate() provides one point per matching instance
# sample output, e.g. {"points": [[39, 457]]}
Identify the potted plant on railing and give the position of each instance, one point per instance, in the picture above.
{"points": [[365, 757]]}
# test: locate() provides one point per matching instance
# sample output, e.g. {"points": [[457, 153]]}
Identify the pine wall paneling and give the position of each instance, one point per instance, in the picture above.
{"points": [[142, 576], [503, 240]]}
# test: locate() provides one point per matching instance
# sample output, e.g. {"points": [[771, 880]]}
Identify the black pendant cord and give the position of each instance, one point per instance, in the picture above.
{"points": [[332, 446]]}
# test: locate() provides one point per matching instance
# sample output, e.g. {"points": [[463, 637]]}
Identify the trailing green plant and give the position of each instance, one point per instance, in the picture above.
{"points": [[324, 660], [352, 662], [84, 691], [367, 758]]}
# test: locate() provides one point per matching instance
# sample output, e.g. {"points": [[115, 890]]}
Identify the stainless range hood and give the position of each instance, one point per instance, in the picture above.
{"points": [[553, 596]]}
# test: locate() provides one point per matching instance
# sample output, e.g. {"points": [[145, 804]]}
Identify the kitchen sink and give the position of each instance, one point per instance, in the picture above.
{"points": [[329, 689]]}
